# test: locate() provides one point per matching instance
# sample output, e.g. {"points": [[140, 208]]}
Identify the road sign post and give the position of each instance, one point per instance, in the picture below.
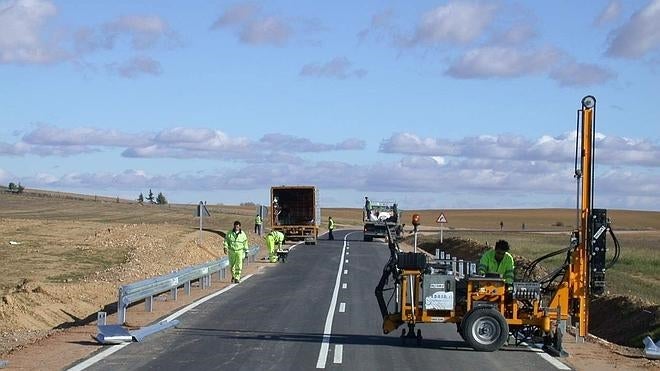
{"points": [[442, 220], [200, 212]]}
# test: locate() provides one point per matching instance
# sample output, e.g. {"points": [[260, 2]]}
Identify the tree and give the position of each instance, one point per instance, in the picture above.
{"points": [[151, 197], [140, 198], [15, 188], [161, 200]]}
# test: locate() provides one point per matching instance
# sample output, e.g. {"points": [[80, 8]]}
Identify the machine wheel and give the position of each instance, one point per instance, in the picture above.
{"points": [[461, 330], [485, 329]]}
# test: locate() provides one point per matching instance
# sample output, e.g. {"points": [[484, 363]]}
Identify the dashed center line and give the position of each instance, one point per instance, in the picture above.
{"points": [[342, 307], [345, 271], [346, 261], [339, 350], [344, 285]]}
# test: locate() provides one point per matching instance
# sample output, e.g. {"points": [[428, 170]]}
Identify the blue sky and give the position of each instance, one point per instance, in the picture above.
{"points": [[436, 104]]}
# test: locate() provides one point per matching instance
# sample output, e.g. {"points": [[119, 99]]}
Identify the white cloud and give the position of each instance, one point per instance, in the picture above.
{"points": [[23, 35], [455, 23], [266, 31], [142, 31], [283, 142], [581, 74], [609, 14], [338, 68], [611, 150], [50, 135], [515, 35], [256, 28], [639, 35], [136, 66], [498, 61], [236, 15]]}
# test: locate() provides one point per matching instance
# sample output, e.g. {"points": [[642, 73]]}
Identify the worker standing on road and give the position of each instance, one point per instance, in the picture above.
{"points": [[274, 240], [331, 227], [257, 224], [236, 246], [367, 208], [498, 260]]}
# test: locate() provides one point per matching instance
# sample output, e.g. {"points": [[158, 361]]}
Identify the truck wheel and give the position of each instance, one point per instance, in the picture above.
{"points": [[485, 330]]}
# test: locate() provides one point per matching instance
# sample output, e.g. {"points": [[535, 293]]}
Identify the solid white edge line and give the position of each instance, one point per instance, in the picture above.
{"points": [[339, 350], [342, 307], [115, 348], [327, 330], [552, 360], [99, 357]]}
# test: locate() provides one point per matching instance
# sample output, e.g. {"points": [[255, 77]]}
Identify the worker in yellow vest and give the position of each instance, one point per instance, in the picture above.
{"points": [[236, 247], [257, 224], [274, 240], [499, 261], [331, 227]]}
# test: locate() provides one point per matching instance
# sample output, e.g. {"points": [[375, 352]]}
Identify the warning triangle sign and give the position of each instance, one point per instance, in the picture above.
{"points": [[441, 218]]}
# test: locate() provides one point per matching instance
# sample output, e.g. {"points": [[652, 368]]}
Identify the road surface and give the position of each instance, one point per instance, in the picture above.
{"points": [[317, 311]]}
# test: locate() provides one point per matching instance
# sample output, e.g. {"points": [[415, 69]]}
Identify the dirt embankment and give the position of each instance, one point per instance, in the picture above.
{"points": [[35, 307], [619, 319]]}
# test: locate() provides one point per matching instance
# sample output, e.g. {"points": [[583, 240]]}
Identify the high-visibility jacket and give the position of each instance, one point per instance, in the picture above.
{"points": [[257, 220], [331, 224], [488, 264], [236, 241], [278, 237]]}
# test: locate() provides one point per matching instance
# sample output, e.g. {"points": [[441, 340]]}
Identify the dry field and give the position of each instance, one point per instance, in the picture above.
{"points": [[74, 251]]}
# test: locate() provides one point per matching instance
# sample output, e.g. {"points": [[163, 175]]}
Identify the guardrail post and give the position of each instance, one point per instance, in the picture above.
{"points": [[174, 293], [209, 279], [223, 273], [186, 287], [149, 304], [121, 309]]}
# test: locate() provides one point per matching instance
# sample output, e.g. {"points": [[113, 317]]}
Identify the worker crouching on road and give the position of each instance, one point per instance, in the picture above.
{"points": [[274, 240], [236, 247], [498, 260]]}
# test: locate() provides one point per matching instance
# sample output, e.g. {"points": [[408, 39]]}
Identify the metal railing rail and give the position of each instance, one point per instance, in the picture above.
{"points": [[147, 289]]}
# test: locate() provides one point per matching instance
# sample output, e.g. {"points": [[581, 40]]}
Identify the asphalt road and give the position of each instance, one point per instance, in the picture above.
{"points": [[316, 311]]}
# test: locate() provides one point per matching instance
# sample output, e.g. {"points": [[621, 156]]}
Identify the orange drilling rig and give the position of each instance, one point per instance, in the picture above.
{"points": [[485, 309]]}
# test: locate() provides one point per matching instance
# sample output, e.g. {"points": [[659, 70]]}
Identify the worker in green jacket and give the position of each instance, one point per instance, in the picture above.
{"points": [[274, 240], [498, 260], [257, 224], [331, 227], [236, 247]]}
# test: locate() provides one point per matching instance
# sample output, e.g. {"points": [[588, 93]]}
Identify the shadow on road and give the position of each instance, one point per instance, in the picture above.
{"points": [[345, 339]]}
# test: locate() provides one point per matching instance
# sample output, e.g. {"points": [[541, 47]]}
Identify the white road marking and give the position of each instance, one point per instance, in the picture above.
{"points": [[346, 252], [346, 261], [115, 348], [345, 271], [344, 285], [327, 330], [552, 360], [342, 307], [339, 351]]}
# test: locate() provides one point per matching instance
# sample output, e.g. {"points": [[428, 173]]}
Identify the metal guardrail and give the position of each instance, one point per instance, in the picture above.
{"points": [[147, 289]]}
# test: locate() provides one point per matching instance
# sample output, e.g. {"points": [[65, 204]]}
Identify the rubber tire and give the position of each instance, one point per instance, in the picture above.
{"points": [[495, 322]]}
